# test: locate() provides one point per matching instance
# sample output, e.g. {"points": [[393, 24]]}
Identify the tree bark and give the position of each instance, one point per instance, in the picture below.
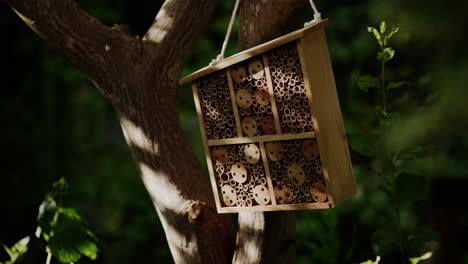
{"points": [[139, 76], [266, 237]]}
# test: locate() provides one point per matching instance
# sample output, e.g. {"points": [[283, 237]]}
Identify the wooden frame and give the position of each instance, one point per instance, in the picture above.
{"points": [[315, 102]]}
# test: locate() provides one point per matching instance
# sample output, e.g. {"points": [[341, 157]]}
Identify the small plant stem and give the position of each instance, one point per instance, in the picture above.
{"points": [[384, 92], [49, 258]]}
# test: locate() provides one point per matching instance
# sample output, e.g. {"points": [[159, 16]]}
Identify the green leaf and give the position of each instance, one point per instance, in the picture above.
{"points": [[366, 82], [17, 250], [377, 260], [88, 248], [61, 185], [383, 27], [377, 35], [396, 85], [46, 216], [386, 55], [10, 253], [416, 260], [414, 152], [386, 119], [365, 145], [22, 246], [72, 239], [410, 188], [390, 35], [71, 213]]}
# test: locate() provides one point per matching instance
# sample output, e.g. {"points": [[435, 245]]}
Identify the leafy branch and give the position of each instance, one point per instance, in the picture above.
{"points": [[64, 230], [387, 163]]}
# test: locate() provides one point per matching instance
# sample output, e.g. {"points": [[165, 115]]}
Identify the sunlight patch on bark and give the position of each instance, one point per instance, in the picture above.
{"points": [[135, 136], [158, 183], [249, 242], [169, 203], [160, 27]]}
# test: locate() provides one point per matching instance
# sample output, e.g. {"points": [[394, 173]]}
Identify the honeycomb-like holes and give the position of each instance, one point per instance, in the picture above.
{"points": [[289, 89], [256, 175], [256, 111], [216, 106], [293, 154]]}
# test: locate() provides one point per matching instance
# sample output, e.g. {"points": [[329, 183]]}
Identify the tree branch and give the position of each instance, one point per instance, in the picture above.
{"points": [[175, 31], [89, 45]]}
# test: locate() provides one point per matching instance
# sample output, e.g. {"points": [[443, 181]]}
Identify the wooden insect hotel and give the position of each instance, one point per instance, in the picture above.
{"points": [[272, 128]]}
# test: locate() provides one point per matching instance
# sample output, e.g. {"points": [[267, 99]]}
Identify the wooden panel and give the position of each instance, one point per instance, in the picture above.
{"points": [[325, 108], [234, 104], [265, 138], [252, 52], [205, 145], [272, 95], [268, 173], [282, 207]]}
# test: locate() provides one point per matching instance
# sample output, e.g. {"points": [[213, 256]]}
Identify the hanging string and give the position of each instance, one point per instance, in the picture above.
{"points": [[317, 18], [228, 33], [317, 15]]}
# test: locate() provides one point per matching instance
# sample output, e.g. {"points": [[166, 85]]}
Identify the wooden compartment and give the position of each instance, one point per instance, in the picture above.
{"points": [[272, 128]]}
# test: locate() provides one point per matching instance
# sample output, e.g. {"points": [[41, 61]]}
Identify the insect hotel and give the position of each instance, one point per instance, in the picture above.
{"points": [[271, 126]]}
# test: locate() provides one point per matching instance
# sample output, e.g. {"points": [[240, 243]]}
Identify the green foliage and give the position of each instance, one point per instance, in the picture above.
{"points": [[397, 85], [377, 260], [17, 250], [403, 187], [382, 35], [414, 260], [364, 145], [367, 82], [64, 230], [425, 256]]}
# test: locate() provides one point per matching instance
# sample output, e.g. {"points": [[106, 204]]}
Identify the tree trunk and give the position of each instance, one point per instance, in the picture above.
{"points": [[266, 237], [139, 76]]}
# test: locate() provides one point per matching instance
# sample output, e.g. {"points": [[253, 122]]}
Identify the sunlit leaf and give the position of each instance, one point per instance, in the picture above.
{"points": [[389, 35], [71, 213], [383, 27], [386, 55], [376, 35], [22, 246], [377, 260], [71, 240], [17, 250], [46, 216], [10, 253], [366, 82], [416, 260]]}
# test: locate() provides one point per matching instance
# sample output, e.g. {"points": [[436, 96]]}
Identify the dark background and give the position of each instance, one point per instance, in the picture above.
{"points": [[56, 124]]}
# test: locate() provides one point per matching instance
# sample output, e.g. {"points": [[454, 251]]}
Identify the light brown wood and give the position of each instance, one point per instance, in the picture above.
{"points": [[264, 138], [249, 53], [328, 121], [272, 95], [267, 173], [279, 207], [206, 148], [319, 93], [234, 104]]}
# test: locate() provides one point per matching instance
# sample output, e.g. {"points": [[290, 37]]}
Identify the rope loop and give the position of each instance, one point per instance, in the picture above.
{"points": [[317, 18]]}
